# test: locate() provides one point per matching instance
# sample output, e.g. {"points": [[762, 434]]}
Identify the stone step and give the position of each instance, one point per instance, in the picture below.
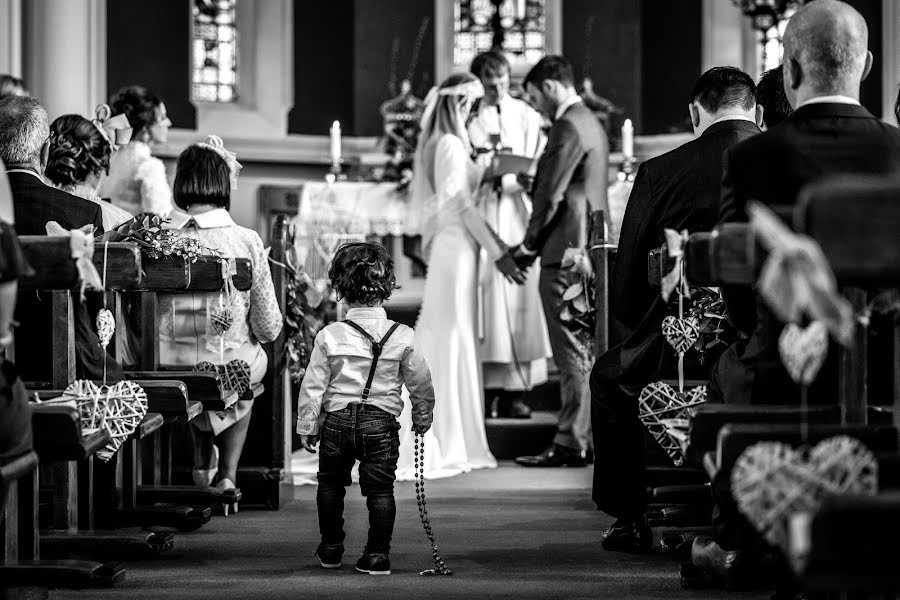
{"points": [[509, 438]]}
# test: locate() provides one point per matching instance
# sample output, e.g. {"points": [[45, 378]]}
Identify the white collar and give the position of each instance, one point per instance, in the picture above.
{"points": [[733, 118], [29, 172], [368, 312], [217, 217], [836, 99], [561, 110]]}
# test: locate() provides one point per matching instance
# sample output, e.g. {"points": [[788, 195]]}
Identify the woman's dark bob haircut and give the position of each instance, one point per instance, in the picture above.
{"points": [[201, 177]]}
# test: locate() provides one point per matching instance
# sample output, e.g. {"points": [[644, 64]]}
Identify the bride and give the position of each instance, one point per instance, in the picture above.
{"points": [[445, 182]]}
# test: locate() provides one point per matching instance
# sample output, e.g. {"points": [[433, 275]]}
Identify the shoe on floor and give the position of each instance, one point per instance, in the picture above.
{"points": [[627, 536], [555, 456], [330, 555], [708, 556], [374, 564]]}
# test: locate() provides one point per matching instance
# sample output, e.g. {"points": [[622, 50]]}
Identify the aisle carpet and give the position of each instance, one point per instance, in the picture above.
{"points": [[508, 533]]}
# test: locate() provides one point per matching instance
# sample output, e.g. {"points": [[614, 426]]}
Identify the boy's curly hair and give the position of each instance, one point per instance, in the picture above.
{"points": [[362, 272]]}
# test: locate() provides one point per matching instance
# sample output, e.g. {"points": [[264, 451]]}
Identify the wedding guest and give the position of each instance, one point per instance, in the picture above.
{"points": [[137, 180], [78, 159], [514, 344], [572, 176], [205, 176], [359, 397], [12, 86], [678, 190], [24, 147], [826, 57], [770, 95]]}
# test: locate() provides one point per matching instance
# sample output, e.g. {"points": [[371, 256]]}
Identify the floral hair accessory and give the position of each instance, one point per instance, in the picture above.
{"points": [[215, 143], [115, 129]]}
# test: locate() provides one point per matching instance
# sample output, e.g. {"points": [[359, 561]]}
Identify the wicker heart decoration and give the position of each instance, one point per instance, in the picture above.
{"points": [[681, 334], [106, 326], [118, 408], [660, 402], [771, 481], [235, 375], [222, 319], [803, 350]]}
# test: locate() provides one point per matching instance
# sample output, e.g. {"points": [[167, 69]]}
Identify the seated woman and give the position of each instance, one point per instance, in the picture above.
{"points": [[137, 180], [79, 157], [204, 178]]}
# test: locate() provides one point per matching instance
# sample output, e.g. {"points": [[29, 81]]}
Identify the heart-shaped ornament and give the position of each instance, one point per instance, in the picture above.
{"points": [[222, 319], [119, 408], [771, 481], [658, 404], [681, 334], [803, 350], [106, 326], [235, 375]]}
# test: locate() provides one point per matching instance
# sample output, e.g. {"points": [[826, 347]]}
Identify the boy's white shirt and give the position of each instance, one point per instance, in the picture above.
{"points": [[339, 367]]}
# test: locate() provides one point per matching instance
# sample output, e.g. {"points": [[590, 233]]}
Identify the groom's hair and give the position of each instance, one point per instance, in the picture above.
{"points": [[724, 87], [362, 272], [554, 68]]}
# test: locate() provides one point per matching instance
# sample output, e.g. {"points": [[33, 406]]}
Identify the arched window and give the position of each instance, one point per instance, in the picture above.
{"points": [[215, 55]]}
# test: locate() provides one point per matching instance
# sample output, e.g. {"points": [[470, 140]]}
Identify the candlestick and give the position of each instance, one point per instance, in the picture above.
{"points": [[336, 143], [627, 139]]}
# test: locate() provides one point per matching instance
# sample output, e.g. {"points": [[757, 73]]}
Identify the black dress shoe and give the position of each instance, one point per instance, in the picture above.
{"points": [[555, 456], [627, 536]]}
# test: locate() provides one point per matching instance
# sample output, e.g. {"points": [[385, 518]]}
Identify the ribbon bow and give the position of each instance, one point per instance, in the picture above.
{"points": [[796, 280], [81, 242], [215, 143], [675, 279], [116, 129]]}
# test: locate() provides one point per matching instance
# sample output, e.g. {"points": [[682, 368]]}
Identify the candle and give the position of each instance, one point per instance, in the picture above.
{"points": [[627, 139], [336, 143]]}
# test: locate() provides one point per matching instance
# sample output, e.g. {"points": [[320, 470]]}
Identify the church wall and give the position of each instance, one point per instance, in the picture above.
{"points": [[871, 91]]}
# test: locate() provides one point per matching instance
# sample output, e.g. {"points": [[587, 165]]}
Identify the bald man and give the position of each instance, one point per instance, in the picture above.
{"points": [[826, 58]]}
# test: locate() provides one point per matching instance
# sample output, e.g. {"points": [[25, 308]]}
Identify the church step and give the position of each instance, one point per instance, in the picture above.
{"points": [[509, 438]]}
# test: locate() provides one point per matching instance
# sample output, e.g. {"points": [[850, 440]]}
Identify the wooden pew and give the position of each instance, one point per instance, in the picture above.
{"points": [[173, 277]]}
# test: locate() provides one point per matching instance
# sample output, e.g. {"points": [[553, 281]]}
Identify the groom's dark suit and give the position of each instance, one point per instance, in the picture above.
{"points": [[678, 190], [572, 176]]}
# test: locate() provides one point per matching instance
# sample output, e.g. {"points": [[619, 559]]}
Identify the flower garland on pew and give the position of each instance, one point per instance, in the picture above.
{"points": [[156, 242], [578, 310]]}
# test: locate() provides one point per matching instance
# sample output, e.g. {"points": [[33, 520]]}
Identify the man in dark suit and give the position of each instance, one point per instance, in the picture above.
{"points": [[826, 58], [571, 180], [24, 143], [678, 190]]}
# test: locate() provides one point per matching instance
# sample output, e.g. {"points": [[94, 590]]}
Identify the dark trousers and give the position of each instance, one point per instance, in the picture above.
{"points": [[619, 447], [572, 355], [364, 433]]}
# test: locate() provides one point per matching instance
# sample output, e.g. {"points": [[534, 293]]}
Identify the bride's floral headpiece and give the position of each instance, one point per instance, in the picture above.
{"points": [[115, 130], [215, 143], [469, 89]]}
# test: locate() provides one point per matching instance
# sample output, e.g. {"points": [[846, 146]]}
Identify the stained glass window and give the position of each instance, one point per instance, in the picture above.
{"points": [[215, 51], [772, 51], [522, 23]]}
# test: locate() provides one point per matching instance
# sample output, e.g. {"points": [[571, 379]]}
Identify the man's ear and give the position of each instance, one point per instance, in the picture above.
{"points": [[868, 67], [795, 72], [695, 115], [45, 154], [760, 112], [548, 87]]}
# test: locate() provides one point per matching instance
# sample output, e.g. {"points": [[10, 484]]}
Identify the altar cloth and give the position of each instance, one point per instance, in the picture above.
{"points": [[354, 207]]}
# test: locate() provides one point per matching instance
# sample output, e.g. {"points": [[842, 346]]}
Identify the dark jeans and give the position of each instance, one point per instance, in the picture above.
{"points": [[364, 433]]}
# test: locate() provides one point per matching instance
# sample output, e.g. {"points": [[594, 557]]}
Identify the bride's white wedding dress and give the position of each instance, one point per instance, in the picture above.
{"points": [[447, 329]]}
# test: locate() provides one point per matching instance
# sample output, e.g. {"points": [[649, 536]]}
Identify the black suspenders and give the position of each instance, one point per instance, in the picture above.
{"points": [[376, 352]]}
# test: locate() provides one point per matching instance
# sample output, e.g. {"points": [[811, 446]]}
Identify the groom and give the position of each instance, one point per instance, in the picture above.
{"points": [[571, 181]]}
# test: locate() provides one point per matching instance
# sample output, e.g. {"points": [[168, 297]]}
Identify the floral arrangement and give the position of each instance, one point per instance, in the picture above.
{"points": [[146, 230], [708, 307], [578, 312]]}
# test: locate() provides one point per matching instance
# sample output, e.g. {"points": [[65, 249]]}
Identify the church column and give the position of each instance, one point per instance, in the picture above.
{"points": [[11, 37], [728, 39], [891, 57], [65, 54]]}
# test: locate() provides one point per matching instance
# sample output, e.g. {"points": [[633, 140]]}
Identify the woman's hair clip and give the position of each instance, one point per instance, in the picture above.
{"points": [[215, 143], [115, 129]]}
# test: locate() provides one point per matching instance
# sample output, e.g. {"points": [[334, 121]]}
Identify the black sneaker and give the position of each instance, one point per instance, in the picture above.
{"points": [[374, 564], [330, 555]]}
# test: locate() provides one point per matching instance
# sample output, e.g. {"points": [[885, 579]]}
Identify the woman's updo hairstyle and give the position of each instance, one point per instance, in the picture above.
{"points": [[138, 104], [362, 273], [77, 150], [201, 177]]}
